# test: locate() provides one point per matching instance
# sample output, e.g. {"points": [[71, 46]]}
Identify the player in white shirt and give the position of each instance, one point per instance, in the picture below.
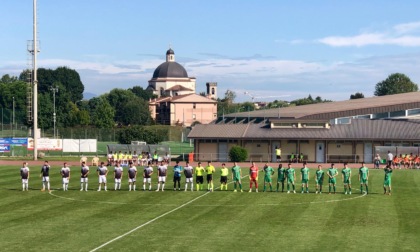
{"points": [[132, 176], [65, 174], [162, 170], [118, 174], [24, 174], [147, 176], [102, 172], [84, 173], [188, 172], [45, 174]]}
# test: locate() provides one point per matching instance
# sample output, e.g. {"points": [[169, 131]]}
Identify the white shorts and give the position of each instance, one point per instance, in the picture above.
{"points": [[188, 180], [162, 179], [131, 180], [83, 180], [118, 180], [65, 180], [102, 179], [46, 179], [147, 180], [24, 181]]}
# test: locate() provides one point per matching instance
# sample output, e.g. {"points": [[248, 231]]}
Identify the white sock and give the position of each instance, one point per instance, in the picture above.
{"points": [[150, 186], [144, 186], [115, 186], [105, 187], [186, 186], [129, 187], [119, 186], [158, 187], [86, 186], [48, 185], [27, 186], [81, 186], [99, 187], [163, 186], [64, 187], [23, 186], [43, 185], [134, 187]]}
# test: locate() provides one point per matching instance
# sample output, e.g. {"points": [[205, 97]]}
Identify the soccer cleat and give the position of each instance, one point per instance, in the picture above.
{"points": [[316, 192], [256, 190], [81, 189], [42, 190], [349, 192], [234, 190], [301, 192], [345, 192], [86, 190], [320, 192], [242, 190], [99, 190], [288, 191], [105, 190], [174, 189], [250, 190], [157, 190], [294, 191]]}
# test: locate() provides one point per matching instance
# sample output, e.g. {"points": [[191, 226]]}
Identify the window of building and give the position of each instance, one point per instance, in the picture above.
{"points": [[380, 115], [413, 111], [212, 91], [194, 105], [193, 116], [397, 113]]}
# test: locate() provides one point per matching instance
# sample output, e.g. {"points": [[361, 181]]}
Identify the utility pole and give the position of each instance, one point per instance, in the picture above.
{"points": [[54, 90], [13, 124], [35, 84]]}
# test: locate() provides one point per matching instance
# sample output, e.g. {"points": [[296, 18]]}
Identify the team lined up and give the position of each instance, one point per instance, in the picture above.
{"points": [[285, 176]]}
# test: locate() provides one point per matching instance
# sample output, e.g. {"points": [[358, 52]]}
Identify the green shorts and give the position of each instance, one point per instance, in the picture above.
{"points": [[290, 180], [305, 181], [268, 180], [236, 179], [332, 181], [319, 181], [347, 181], [387, 182], [280, 180], [363, 181]]}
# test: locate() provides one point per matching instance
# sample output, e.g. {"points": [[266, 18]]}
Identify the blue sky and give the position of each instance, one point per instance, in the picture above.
{"points": [[272, 49]]}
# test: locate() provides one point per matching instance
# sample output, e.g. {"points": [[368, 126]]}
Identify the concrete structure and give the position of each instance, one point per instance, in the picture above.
{"points": [[183, 110], [171, 79], [345, 131]]}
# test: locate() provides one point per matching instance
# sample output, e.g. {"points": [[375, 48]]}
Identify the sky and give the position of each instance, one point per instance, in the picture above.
{"points": [[271, 49]]}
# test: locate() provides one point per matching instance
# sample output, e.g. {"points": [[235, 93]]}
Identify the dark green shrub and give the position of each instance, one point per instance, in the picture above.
{"points": [[238, 154]]}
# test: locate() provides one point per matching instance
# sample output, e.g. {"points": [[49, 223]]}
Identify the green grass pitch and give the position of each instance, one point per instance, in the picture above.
{"points": [[202, 221]]}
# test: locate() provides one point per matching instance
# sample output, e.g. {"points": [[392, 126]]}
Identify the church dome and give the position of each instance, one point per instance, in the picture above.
{"points": [[170, 70]]}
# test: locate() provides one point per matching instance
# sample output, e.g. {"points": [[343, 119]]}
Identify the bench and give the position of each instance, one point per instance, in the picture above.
{"points": [[296, 160], [340, 159]]}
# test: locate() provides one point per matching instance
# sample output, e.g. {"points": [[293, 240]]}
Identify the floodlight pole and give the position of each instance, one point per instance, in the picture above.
{"points": [[54, 90], [13, 123], [35, 83]]}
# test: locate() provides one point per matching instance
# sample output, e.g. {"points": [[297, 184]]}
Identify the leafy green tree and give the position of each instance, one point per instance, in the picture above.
{"points": [[135, 111], [101, 112], [396, 83], [140, 133], [117, 98], [238, 154], [357, 95], [142, 93]]}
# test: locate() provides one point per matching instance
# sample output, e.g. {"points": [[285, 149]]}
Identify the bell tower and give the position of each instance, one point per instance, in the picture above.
{"points": [[212, 90]]}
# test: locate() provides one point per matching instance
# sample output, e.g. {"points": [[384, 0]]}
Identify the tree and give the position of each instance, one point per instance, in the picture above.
{"points": [[396, 83], [357, 96], [117, 98], [101, 112], [140, 133], [229, 96], [142, 93], [238, 154], [135, 111]]}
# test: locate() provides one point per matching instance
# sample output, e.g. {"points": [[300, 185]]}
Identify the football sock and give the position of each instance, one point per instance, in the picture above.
{"points": [[288, 187], [282, 187], [134, 187], [23, 187], [212, 186], [198, 187], [129, 187], [320, 188], [144, 187], [256, 185], [301, 189], [329, 188], [105, 187], [163, 186], [277, 188], [307, 189], [250, 184], [43, 186], [150, 186], [64, 187], [349, 189], [186, 186], [234, 186], [361, 189], [192, 186], [240, 186], [384, 189], [271, 188], [293, 187], [48, 186], [99, 188], [115, 186], [334, 188], [264, 187], [367, 189], [201, 187], [208, 186]]}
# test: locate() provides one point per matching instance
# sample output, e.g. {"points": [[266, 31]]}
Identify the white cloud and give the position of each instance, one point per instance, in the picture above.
{"points": [[399, 35]]}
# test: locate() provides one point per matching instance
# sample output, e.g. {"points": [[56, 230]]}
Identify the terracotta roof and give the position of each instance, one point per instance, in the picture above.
{"points": [[358, 129], [330, 110]]}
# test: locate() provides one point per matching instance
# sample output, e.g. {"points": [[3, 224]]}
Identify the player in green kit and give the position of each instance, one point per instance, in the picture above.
{"points": [[319, 179], [281, 171], [387, 179], [364, 178], [291, 176], [304, 175], [332, 173], [268, 172], [236, 177], [346, 175]]}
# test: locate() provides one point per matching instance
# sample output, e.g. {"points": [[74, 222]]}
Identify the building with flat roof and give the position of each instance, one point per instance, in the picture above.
{"points": [[343, 131]]}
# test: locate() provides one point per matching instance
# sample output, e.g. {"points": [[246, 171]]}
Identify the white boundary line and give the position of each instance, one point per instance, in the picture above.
{"points": [[147, 223]]}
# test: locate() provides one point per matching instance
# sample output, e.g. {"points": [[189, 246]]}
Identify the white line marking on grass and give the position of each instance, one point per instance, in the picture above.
{"points": [[147, 223], [95, 201]]}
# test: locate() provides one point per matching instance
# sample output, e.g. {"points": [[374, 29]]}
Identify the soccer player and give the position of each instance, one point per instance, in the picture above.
{"points": [[84, 172], [118, 174], [132, 176], [291, 176], [387, 179], [224, 172], [278, 154], [162, 170], [304, 175], [319, 179], [188, 172], [332, 173], [346, 175], [147, 176], [364, 178], [281, 176], [102, 173], [24, 174], [45, 174], [177, 175], [210, 170], [199, 179], [268, 172], [236, 177], [65, 174], [253, 177]]}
